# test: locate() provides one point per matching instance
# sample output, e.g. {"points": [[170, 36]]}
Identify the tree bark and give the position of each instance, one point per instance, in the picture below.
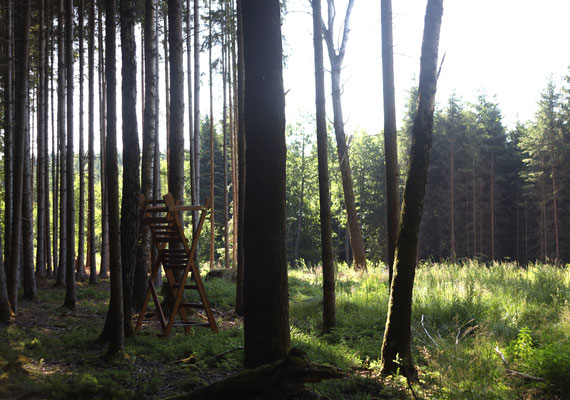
{"points": [[70, 298], [81, 223], [329, 307], [113, 330], [225, 133], [29, 279], [336, 59], [266, 300], [20, 131], [390, 135], [397, 337], [241, 148], [196, 165], [212, 177], [62, 146], [91, 146], [5, 308], [301, 201], [452, 198], [130, 202]]}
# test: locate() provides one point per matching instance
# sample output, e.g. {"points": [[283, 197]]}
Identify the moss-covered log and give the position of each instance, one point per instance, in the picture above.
{"points": [[271, 381]]}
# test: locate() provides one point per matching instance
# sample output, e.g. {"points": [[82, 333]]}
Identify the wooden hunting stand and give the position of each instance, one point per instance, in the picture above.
{"points": [[163, 219]]}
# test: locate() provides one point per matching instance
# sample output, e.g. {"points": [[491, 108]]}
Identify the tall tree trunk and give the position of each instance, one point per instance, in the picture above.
{"points": [[241, 147], [397, 337], [196, 183], [266, 300], [149, 124], [130, 212], [9, 138], [113, 331], [47, 230], [190, 102], [212, 177], [91, 147], [301, 201], [20, 130], [225, 133], [329, 308], [41, 177], [54, 167], [29, 279], [336, 59], [61, 145], [81, 223], [390, 135], [70, 173], [167, 91], [555, 204], [104, 266]]}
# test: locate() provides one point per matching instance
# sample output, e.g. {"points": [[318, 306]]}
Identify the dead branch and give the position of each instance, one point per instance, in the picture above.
{"points": [[516, 373], [427, 333]]}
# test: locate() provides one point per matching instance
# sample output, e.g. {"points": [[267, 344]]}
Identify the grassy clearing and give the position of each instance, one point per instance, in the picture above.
{"points": [[467, 311]]}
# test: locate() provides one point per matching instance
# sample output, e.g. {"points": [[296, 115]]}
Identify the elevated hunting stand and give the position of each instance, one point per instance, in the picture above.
{"points": [[163, 219]]}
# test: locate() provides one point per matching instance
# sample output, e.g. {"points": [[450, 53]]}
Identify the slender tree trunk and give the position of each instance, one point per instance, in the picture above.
{"points": [[212, 177], [390, 134], [329, 308], [149, 125], [266, 300], [104, 266], [336, 59], [70, 299], [29, 279], [47, 230], [241, 148], [9, 140], [518, 225], [397, 337], [62, 146], [130, 212], [91, 163], [301, 201], [196, 116], [225, 134], [41, 177], [190, 102], [113, 330], [20, 130], [54, 167], [81, 223], [474, 212], [167, 91]]}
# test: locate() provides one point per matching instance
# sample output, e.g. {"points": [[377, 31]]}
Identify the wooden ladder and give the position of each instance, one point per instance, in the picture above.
{"points": [[163, 219]]}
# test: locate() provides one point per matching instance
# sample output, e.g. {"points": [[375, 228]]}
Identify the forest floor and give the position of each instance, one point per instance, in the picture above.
{"points": [[461, 315]]}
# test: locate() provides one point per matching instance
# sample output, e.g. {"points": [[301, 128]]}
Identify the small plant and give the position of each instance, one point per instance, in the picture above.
{"points": [[522, 347]]}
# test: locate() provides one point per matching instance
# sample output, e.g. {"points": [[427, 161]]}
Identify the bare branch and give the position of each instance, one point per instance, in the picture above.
{"points": [[346, 30]]}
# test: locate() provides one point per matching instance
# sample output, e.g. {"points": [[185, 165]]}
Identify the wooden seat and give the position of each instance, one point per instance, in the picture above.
{"points": [[174, 254]]}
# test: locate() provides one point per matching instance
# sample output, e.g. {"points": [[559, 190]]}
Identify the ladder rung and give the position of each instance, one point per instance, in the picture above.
{"points": [[154, 220], [194, 287], [192, 324], [151, 201], [192, 305], [174, 251], [175, 266], [156, 209], [167, 239]]}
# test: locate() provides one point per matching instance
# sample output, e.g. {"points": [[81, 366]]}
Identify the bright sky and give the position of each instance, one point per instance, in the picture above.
{"points": [[506, 48]]}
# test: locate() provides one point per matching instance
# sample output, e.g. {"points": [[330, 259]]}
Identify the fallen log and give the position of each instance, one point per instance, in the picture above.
{"points": [[271, 381]]}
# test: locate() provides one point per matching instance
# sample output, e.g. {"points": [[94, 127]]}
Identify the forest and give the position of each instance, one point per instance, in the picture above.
{"points": [[167, 232]]}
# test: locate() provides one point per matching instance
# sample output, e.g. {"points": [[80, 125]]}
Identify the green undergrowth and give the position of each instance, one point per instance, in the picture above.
{"points": [[463, 316]]}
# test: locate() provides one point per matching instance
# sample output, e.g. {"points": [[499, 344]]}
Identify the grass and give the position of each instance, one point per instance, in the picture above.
{"points": [[467, 310]]}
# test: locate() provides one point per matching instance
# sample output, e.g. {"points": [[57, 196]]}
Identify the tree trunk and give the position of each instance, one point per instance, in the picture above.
{"points": [[149, 125], [81, 223], [225, 134], [190, 102], [241, 163], [212, 177], [91, 163], [113, 331], [20, 131], [397, 337], [130, 212], [555, 205], [104, 266], [390, 135], [29, 279], [301, 198], [41, 177], [452, 198], [9, 138], [492, 184], [61, 137], [167, 91], [70, 298], [336, 59], [266, 300], [5, 309], [329, 308], [196, 182]]}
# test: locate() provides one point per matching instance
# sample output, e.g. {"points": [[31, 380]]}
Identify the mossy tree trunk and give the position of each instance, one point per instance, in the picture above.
{"points": [[396, 349]]}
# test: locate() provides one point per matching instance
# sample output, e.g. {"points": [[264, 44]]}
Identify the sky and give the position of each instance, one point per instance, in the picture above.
{"points": [[506, 49]]}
